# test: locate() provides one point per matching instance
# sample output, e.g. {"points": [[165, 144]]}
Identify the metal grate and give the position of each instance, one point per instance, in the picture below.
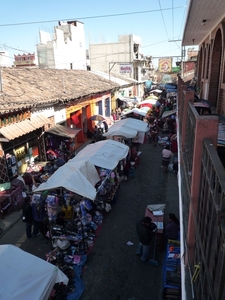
{"points": [[210, 238]]}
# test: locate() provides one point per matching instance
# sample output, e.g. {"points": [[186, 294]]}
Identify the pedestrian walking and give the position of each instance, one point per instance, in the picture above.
{"points": [[166, 156], [145, 230], [154, 132], [31, 224], [113, 114]]}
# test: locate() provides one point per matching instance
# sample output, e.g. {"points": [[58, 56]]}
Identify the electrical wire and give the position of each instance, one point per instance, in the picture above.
{"points": [[93, 17], [65, 63], [163, 18]]}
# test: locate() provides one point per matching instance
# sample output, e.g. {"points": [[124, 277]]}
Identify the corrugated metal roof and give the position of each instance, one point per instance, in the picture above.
{"points": [[15, 130]]}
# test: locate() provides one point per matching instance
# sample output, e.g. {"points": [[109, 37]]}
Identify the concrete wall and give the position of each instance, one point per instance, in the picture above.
{"points": [[102, 56], [66, 50]]}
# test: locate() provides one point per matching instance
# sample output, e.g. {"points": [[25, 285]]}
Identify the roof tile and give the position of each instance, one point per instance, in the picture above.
{"points": [[25, 87]]}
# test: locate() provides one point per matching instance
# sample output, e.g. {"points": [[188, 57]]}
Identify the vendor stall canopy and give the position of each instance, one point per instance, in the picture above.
{"points": [[128, 128], [63, 131], [105, 154], [136, 111], [123, 132], [18, 129], [78, 177], [25, 276], [135, 124]]}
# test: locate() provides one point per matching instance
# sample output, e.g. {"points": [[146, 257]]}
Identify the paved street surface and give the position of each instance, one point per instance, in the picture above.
{"points": [[113, 271]]}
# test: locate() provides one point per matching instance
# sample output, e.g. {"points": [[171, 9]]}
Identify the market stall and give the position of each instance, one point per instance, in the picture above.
{"points": [[124, 132], [25, 276], [105, 154], [78, 177], [129, 128], [138, 125]]}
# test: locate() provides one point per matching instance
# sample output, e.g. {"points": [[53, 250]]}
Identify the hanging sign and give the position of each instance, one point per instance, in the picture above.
{"points": [[126, 68]]}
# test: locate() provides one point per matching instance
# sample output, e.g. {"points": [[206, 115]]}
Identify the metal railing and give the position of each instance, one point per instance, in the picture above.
{"points": [[207, 211]]}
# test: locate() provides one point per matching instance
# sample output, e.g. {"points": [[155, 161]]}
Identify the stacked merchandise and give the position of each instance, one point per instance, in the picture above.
{"points": [[71, 265], [79, 230], [172, 271], [107, 187], [71, 241]]}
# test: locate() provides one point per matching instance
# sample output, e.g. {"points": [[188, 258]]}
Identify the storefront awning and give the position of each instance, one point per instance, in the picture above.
{"points": [[18, 129], [63, 131], [168, 113]]}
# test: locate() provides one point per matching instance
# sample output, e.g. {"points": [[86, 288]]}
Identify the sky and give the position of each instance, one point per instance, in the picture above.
{"points": [[159, 23]]}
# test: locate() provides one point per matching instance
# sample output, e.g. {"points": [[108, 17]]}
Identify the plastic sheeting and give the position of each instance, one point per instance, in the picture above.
{"points": [[25, 276]]}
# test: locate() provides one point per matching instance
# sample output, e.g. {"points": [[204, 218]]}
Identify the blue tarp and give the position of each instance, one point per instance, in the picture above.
{"points": [[79, 284]]}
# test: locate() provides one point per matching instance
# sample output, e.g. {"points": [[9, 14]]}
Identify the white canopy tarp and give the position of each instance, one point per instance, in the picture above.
{"points": [[25, 276], [123, 131], [78, 177], [105, 154], [137, 111], [135, 124]]}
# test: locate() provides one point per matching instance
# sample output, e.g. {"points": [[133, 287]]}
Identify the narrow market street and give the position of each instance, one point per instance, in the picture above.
{"points": [[113, 271]]}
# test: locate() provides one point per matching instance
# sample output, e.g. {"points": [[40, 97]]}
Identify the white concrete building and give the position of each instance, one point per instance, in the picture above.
{"points": [[66, 50], [123, 56], [4, 59]]}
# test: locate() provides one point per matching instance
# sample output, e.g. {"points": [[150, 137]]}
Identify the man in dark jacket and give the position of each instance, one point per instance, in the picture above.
{"points": [[145, 230], [28, 218]]}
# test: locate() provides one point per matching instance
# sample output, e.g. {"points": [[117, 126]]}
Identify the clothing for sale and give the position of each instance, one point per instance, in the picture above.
{"points": [[38, 211]]}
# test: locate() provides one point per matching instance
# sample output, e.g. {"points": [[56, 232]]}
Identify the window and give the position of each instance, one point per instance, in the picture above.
{"points": [[107, 107], [100, 107]]}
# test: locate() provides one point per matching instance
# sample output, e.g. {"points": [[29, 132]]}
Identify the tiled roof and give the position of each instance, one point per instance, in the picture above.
{"points": [[26, 87]]}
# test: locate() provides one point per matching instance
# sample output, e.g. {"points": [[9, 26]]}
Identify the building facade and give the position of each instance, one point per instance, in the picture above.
{"points": [[25, 60], [4, 59], [123, 57], [201, 171], [44, 102], [65, 50]]}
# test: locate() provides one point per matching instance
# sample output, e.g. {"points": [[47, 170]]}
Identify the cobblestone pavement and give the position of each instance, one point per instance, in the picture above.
{"points": [[113, 271]]}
